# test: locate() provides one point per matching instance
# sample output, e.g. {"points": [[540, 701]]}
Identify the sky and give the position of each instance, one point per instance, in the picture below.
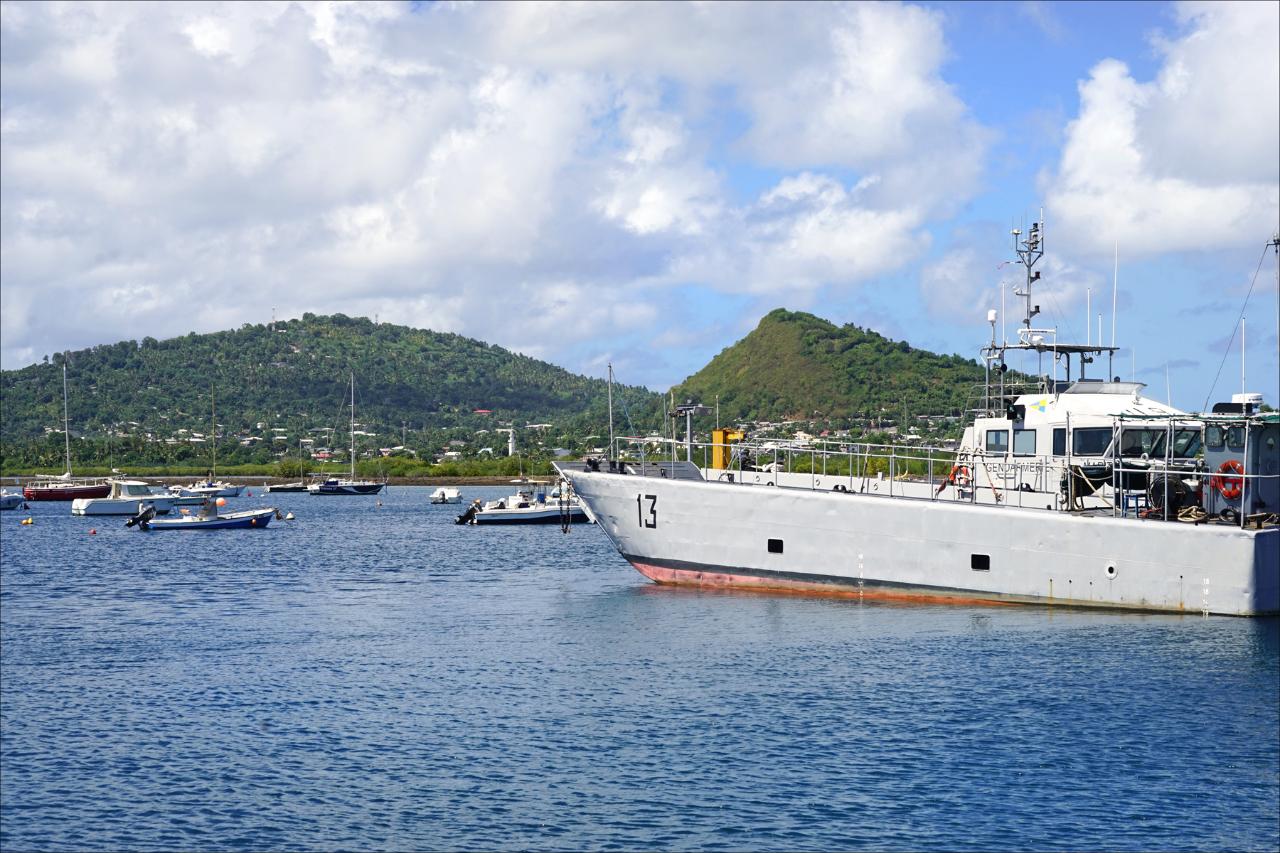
{"points": [[639, 183]]}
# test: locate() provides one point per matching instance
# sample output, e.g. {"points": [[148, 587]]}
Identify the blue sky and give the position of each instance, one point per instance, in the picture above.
{"points": [[640, 183]]}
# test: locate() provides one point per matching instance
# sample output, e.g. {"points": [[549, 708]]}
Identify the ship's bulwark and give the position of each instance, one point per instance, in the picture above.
{"points": [[717, 534]]}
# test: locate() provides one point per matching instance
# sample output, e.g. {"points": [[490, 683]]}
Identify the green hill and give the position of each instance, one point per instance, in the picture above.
{"points": [[294, 376], [798, 366]]}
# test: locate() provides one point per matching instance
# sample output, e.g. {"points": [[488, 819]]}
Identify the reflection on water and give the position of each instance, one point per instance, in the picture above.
{"points": [[374, 676]]}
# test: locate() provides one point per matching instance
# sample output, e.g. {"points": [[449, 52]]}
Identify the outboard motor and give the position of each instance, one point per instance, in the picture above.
{"points": [[143, 518], [469, 515]]}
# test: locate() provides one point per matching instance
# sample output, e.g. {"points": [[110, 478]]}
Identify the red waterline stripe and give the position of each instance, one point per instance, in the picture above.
{"points": [[754, 583]]}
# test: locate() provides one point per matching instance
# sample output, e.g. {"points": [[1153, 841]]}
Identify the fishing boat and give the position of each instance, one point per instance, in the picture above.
{"points": [[349, 485], [208, 518], [530, 504], [446, 495], [1077, 491], [127, 497], [65, 487], [10, 500]]}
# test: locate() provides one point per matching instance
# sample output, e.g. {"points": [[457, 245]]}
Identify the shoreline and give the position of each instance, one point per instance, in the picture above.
{"points": [[251, 480]]}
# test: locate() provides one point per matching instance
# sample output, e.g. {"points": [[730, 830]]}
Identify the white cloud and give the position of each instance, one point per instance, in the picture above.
{"points": [[1187, 161], [531, 174]]}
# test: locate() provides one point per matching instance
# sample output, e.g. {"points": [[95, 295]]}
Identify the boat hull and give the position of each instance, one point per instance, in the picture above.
{"points": [[347, 489], [544, 515], [247, 520], [770, 538], [120, 506], [285, 487], [59, 492], [10, 501]]}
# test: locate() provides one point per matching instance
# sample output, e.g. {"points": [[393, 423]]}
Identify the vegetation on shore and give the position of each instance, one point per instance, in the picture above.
{"points": [[430, 404]]}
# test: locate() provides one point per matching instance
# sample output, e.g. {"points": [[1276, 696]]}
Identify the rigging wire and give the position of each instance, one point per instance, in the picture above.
{"points": [[1231, 340]]}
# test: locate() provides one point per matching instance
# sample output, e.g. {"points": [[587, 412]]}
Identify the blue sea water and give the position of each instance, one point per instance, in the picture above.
{"points": [[371, 676]]}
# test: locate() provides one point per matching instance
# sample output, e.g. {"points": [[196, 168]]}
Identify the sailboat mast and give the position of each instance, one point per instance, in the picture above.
{"points": [[213, 431], [66, 420], [353, 425]]}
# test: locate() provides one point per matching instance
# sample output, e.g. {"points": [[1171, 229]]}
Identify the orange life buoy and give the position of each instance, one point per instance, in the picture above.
{"points": [[1227, 485]]}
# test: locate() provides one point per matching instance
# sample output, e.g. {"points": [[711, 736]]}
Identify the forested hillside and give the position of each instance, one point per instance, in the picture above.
{"points": [[798, 366], [295, 376]]}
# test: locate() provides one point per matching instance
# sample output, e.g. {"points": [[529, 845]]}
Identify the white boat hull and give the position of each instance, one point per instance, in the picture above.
{"points": [[9, 501], [120, 506], [538, 514], [719, 534]]}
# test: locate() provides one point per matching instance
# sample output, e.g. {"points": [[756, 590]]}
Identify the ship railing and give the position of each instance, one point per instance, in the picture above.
{"points": [[1072, 482], [1175, 473], [858, 467]]}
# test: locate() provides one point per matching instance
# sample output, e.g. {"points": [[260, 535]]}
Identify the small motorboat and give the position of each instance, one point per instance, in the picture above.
{"points": [[446, 495], [208, 518], [127, 497], [208, 489], [529, 505], [10, 500]]}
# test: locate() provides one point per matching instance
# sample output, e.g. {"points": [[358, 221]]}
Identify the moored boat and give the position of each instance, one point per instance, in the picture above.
{"points": [[65, 487], [297, 486], [127, 497], [208, 488], [349, 485], [446, 495], [10, 500], [207, 519], [1076, 492], [531, 504]]}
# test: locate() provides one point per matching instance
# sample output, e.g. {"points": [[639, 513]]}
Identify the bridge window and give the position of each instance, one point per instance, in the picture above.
{"points": [[1024, 442], [997, 441], [1091, 441], [1060, 441]]}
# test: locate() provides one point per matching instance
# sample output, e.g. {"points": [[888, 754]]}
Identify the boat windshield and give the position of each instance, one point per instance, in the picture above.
{"points": [[1136, 442]]}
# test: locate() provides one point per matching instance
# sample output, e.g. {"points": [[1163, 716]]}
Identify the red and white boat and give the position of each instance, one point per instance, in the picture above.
{"points": [[66, 487]]}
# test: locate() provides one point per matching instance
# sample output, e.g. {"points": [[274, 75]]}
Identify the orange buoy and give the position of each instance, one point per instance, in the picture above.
{"points": [[93, 531]]}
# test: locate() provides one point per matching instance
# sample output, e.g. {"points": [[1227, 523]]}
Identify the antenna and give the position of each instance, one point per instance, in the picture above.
{"points": [[611, 410], [1088, 313], [1115, 286], [1243, 389]]}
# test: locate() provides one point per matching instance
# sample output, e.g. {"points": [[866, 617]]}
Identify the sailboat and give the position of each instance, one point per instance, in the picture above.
{"points": [[209, 487], [65, 487], [296, 486], [349, 486]]}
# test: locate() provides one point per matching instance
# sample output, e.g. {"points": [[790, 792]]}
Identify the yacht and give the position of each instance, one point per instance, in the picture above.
{"points": [[127, 497]]}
